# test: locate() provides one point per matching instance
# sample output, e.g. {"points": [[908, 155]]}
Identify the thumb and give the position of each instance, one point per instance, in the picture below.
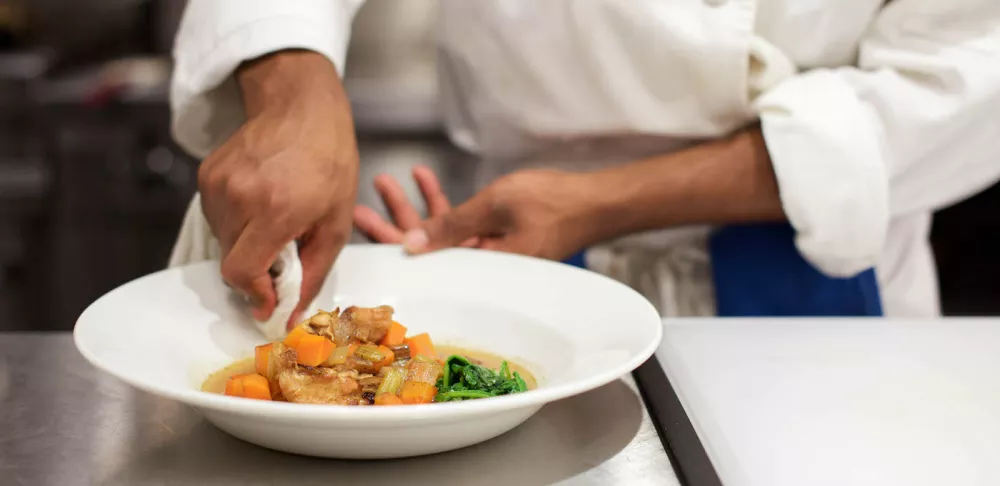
{"points": [[476, 217]]}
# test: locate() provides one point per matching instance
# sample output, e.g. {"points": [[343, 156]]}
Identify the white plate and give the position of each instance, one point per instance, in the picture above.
{"points": [[574, 330]]}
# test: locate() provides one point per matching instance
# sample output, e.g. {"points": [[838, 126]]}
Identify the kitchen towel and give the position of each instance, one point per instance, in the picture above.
{"points": [[196, 243]]}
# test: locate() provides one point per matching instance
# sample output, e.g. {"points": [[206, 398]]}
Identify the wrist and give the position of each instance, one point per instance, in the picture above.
{"points": [[601, 208], [289, 81]]}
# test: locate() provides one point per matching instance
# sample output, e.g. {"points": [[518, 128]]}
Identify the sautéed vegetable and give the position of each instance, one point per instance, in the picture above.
{"points": [[361, 356]]}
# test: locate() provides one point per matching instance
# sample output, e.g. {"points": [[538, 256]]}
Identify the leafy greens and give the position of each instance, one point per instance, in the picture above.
{"points": [[463, 380]]}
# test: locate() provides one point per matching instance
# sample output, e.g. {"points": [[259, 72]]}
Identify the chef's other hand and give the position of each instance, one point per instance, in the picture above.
{"points": [[404, 215], [543, 213], [289, 173]]}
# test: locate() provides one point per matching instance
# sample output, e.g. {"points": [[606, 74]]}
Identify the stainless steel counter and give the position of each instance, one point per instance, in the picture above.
{"points": [[62, 422]]}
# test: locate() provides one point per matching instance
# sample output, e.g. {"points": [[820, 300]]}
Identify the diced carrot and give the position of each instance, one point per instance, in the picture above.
{"points": [[256, 386], [387, 399], [415, 392], [389, 356], [234, 386], [260, 355], [293, 338], [396, 335], [249, 386], [313, 350], [421, 345]]}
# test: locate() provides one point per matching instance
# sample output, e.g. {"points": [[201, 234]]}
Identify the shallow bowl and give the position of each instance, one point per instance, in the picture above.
{"points": [[575, 330]]}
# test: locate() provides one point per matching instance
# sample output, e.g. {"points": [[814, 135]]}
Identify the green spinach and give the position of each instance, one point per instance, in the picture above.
{"points": [[463, 380]]}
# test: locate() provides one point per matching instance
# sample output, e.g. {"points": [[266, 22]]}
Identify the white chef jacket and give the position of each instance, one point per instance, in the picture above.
{"points": [[874, 115]]}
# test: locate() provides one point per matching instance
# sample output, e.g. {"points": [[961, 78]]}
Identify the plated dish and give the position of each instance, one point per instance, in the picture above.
{"points": [[564, 330], [360, 357]]}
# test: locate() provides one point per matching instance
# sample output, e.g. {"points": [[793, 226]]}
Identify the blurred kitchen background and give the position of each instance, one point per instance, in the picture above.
{"points": [[92, 189]]}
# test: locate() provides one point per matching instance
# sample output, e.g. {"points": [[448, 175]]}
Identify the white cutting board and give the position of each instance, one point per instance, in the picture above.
{"points": [[793, 402]]}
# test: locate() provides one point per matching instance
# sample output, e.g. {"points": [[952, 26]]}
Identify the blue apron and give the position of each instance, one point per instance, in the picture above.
{"points": [[758, 272]]}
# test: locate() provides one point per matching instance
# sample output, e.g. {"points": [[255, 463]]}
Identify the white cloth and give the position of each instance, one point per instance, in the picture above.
{"points": [[875, 113], [195, 243]]}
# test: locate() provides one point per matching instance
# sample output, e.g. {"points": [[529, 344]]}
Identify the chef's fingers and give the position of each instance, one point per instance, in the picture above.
{"points": [[375, 226], [473, 242], [229, 231], [317, 252], [494, 244], [399, 206], [430, 187], [477, 217], [247, 267], [225, 223]]}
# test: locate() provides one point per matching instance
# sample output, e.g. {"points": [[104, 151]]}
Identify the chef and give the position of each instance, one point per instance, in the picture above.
{"points": [[723, 157]]}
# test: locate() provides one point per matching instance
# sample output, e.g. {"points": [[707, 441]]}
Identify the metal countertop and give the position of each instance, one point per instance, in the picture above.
{"points": [[66, 423]]}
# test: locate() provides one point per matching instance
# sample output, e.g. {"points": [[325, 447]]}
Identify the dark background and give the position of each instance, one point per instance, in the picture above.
{"points": [[92, 189]]}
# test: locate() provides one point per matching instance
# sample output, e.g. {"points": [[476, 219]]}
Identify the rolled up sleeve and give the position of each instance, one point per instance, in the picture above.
{"points": [[216, 36], [913, 127]]}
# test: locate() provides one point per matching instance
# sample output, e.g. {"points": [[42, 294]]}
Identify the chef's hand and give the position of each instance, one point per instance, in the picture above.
{"points": [[289, 173], [543, 213], [404, 215]]}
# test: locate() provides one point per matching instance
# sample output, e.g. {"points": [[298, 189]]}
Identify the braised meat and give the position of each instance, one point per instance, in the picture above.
{"points": [[365, 324], [304, 384]]}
